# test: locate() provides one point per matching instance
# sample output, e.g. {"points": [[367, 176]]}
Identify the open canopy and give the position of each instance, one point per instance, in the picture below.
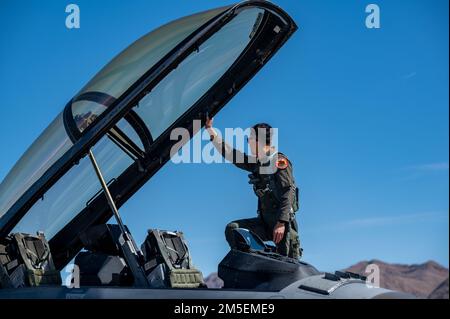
{"points": [[166, 79]]}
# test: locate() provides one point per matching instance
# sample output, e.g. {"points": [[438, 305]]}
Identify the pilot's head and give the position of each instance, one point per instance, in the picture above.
{"points": [[260, 139]]}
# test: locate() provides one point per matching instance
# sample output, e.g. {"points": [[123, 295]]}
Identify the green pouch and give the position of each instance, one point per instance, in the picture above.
{"points": [[38, 277], [185, 278]]}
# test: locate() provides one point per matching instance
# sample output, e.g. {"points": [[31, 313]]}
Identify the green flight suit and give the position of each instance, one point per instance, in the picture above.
{"points": [[275, 188]]}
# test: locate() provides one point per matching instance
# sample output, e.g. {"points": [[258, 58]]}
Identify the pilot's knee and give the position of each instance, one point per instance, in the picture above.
{"points": [[229, 233], [230, 226]]}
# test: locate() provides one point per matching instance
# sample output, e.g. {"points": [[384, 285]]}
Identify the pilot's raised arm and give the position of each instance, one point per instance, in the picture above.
{"points": [[238, 158]]}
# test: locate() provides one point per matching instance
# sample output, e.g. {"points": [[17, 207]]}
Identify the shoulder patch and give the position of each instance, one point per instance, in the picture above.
{"points": [[282, 162]]}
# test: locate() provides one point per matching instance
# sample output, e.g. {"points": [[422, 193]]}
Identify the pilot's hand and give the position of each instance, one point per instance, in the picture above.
{"points": [[278, 232], [209, 127], [209, 122]]}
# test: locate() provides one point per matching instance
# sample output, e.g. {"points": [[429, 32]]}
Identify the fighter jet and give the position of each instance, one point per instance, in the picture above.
{"points": [[116, 133]]}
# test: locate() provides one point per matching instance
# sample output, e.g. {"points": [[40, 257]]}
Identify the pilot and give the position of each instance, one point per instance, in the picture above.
{"points": [[273, 183]]}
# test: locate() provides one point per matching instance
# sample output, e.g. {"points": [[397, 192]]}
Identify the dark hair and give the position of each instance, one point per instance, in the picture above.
{"points": [[265, 129]]}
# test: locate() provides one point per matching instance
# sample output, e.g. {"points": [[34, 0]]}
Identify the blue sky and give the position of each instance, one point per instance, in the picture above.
{"points": [[362, 114]]}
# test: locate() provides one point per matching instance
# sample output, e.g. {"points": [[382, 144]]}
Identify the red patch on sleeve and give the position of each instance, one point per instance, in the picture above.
{"points": [[281, 163]]}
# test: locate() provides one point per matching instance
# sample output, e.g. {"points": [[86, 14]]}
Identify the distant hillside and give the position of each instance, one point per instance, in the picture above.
{"points": [[441, 291], [417, 279], [213, 281], [427, 280]]}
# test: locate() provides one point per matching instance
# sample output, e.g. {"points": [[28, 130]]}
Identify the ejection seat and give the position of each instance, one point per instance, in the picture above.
{"points": [[164, 260], [26, 261]]}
